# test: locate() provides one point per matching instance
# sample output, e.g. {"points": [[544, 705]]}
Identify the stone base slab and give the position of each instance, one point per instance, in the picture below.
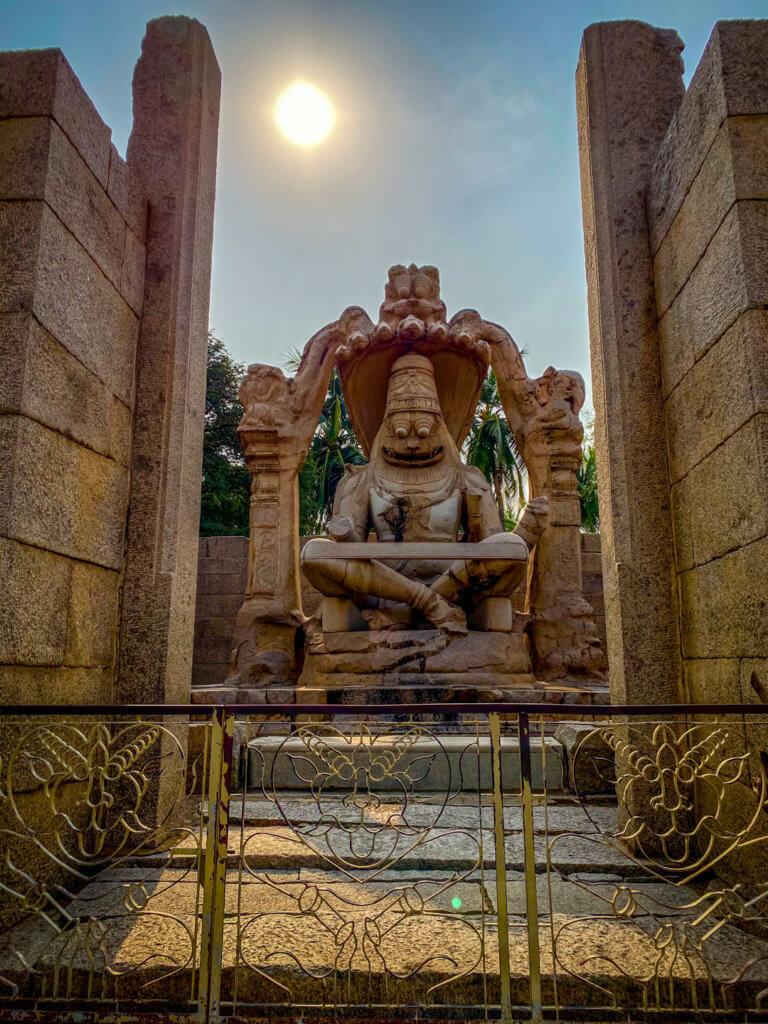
{"points": [[415, 658], [425, 666]]}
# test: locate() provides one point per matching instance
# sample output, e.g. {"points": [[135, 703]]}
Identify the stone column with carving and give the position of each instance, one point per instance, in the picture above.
{"points": [[281, 415], [543, 414]]}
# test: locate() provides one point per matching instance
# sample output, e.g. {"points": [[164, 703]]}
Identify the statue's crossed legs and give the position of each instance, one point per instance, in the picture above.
{"points": [[444, 602]]}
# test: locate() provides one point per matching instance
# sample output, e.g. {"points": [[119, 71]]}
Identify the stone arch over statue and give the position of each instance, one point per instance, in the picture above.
{"points": [[543, 413]]}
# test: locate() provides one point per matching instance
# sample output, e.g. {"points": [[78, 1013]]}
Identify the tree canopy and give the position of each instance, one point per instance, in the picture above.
{"points": [[587, 480], [491, 447], [225, 494]]}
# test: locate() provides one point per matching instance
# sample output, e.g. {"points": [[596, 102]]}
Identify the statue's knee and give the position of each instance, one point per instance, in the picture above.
{"points": [[325, 574], [499, 578]]}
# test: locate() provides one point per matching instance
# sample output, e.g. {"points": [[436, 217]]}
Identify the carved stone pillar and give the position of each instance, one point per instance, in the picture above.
{"points": [[564, 636], [265, 631], [544, 416], [276, 431]]}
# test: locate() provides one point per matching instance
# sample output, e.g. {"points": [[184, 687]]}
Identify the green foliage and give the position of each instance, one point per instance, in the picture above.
{"points": [[226, 481], [334, 447], [491, 447], [586, 476]]}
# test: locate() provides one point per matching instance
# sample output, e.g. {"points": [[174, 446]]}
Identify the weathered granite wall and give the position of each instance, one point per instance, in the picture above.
{"points": [[222, 572], [72, 245], [676, 240], [82, 326], [708, 224]]}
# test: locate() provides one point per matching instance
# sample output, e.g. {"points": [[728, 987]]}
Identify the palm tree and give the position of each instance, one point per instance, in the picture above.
{"points": [[491, 447], [586, 476], [334, 448]]}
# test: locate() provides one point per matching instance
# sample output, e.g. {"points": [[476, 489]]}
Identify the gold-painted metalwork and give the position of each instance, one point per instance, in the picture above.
{"points": [[678, 922], [377, 866], [529, 868], [494, 725], [91, 821], [355, 917]]}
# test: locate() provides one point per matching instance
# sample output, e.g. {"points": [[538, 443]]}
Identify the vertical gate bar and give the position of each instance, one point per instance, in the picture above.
{"points": [[529, 868], [205, 867], [215, 868], [494, 726]]}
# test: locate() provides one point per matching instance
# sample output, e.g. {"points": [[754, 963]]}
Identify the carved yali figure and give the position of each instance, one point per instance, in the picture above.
{"points": [[416, 489]]}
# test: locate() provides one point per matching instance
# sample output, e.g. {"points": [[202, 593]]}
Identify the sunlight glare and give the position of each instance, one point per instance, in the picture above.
{"points": [[304, 114]]}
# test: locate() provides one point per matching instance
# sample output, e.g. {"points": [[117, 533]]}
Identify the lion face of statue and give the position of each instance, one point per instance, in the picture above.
{"points": [[413, 438]]}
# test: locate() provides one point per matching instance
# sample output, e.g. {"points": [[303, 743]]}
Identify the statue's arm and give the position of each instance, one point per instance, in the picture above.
{"points": [[534, 520], [349, 521], [482, 517]]}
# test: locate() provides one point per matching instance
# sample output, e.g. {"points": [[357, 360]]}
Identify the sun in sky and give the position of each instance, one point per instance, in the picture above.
{"points": [[304, 114]]}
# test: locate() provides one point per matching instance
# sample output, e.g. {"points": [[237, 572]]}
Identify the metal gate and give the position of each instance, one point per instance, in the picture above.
{"points": [[468, 862]]}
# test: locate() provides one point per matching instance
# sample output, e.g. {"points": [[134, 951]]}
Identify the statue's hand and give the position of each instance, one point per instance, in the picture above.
{"points": [[340, 528], [533, 521]]}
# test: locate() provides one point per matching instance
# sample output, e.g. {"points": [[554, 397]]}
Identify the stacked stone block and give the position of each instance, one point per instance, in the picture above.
{"points": [[708, 224], [675, 195], [72, 234], [104, 282], [222, 576], [592, 580]]}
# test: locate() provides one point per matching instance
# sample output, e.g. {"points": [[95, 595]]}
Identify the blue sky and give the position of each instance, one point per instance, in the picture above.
{"points": [[455, 145]]}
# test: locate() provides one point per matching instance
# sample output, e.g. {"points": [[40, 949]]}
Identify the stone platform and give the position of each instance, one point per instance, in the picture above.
{"points": [[426, 666]]}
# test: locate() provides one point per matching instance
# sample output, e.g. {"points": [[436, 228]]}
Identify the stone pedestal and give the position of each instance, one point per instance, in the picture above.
{"points": [[415, 666], [424, 666]]}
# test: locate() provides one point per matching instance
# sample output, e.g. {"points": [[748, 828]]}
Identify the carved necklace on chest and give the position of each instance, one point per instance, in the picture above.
{"points": [[412, 497]]}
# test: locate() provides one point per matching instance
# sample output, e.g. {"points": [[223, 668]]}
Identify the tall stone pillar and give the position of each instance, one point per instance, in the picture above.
{"points": [[172, 149], [629, 86], [266, 627], [276, 431]]}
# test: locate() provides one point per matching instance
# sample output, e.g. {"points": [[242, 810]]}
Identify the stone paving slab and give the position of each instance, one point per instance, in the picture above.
{"points": [[288, 808], [433, 941]]}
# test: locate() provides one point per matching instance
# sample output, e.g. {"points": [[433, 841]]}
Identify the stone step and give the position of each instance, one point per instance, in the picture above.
{"points": [[290, 807], [447, 763], [334, 939], [321, 845]]}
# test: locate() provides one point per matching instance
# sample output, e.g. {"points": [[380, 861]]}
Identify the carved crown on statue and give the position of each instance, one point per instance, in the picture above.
{"points": [[412, 318], [417, 573]]}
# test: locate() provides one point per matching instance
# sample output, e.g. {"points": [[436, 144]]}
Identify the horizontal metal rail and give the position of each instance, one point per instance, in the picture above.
{"points": [[387, 710]]}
